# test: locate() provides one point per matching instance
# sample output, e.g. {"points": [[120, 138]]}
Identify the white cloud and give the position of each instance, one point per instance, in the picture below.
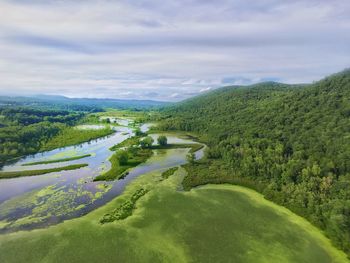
{"points": [[205, 89], [155, 49]]}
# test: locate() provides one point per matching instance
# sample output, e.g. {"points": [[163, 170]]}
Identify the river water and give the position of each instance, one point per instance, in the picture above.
{"points": [[38, 201]]}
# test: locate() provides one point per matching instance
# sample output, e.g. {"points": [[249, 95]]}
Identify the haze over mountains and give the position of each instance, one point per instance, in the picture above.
{"points": [[65, 102], [167, 50]]}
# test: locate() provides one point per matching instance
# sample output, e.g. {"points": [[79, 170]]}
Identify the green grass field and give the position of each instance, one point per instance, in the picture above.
{"points": [[214, 223]]}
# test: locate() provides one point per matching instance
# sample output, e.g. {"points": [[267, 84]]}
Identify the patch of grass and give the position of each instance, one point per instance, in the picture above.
{"points": [[193, 146], [72, 136], [39, 172], [136, 156], [125, 209], [169, 172], [58, 160]]}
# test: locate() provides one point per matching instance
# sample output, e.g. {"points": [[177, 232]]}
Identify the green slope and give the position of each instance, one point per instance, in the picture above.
{"points": [[291, 142]]}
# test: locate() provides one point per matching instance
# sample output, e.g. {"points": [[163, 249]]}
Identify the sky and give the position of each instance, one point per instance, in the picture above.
{"points": [[167, 50]]}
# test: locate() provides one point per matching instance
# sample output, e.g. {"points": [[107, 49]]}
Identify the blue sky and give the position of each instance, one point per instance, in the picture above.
{"points": [[167, 50]]}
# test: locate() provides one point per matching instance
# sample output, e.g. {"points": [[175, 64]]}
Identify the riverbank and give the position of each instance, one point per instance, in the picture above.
{"points": [[135, 156], [4, 175], [58, 160], [194, 147], [73, 136]]}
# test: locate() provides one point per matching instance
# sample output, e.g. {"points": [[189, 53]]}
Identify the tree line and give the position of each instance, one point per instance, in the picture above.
{"points": [[24, 130]]}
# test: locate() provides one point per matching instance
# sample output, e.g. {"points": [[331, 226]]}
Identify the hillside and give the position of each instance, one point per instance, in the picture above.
{"points": [[290, 142], [86, 104]]}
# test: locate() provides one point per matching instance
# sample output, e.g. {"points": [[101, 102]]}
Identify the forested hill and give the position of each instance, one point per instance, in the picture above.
{"points": [[80, 104], [292, 143]]}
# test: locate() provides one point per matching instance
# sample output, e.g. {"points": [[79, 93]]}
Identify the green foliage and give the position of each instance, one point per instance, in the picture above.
{"points": [[147, 142], [125, 209], [58, 160], [169, 172], [194, 147], [139, 133], [216, 223], [190, 157], [133, 155], [81, 104], [72, 136], [132, 141], [24, 130], [39, 172], [123, 157], [294, 140], [162, 140]]}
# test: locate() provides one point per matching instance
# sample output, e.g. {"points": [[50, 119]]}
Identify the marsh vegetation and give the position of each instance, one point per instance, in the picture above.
{"points": [[58, 160], [39, 172]]}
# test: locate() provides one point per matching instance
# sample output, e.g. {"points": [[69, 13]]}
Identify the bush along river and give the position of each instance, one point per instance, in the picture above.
{"points": [[38, 201]]}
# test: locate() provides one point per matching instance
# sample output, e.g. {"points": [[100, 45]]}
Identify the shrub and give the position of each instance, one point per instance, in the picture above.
{"points": [[162, 140]]}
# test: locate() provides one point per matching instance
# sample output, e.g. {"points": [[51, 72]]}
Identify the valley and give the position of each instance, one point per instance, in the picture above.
{"points": [[191, 182]]}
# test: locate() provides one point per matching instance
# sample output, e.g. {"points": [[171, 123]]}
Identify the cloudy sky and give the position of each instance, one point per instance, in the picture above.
{"points": [[167, 50]]}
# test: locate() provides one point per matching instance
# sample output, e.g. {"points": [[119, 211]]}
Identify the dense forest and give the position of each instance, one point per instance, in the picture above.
{"points": [[43, 122], [23, 130], [290, 142]]}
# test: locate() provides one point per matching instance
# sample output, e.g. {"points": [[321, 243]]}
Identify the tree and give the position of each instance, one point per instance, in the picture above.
{"points": [[162, 140], [138, 132], [191, 158], [108, 120], [147, 142], [123, 157]]}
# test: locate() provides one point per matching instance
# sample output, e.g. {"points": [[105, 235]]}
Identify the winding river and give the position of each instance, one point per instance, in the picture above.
{"points": [[38, 201]]}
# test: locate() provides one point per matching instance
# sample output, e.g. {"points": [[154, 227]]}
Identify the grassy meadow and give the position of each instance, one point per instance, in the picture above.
{"points": [[41, 171], [72, 136]]}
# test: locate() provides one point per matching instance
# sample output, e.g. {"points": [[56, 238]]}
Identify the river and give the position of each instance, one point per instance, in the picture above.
{"points": [[43, 200]]}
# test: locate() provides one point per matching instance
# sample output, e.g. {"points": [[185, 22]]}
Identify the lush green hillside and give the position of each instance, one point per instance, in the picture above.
{"points": [[292, 143]]}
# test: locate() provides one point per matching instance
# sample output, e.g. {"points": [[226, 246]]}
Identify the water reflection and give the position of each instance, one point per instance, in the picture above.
{"points": [[38, 201]]}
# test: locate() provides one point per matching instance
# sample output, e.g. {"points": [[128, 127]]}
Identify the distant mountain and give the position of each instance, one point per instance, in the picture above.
{"points": [[290, 142], [80, 103]]}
